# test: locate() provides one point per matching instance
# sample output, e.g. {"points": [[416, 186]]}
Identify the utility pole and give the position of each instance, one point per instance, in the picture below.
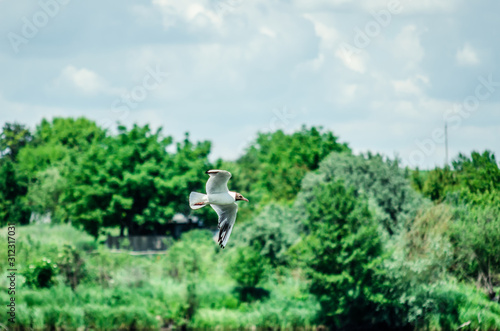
{"points": [[446, 143]]}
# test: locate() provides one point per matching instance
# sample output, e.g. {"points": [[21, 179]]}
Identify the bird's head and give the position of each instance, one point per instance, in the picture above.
{"points": [[238, 197]]}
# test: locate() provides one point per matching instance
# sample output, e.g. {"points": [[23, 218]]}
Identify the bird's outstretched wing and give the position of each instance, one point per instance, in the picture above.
{"points": [[217, 183], [227, 217]]}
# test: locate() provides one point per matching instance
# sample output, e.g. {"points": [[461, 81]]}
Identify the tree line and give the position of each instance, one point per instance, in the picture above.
{"points": [[378, 245]]}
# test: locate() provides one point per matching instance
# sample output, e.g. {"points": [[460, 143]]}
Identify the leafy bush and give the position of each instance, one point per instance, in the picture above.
{"points": [[447, 305], [272, 232], [478, 173], [424, 252], [41, 274], [190, 257], [247, 267], [476, 236], [71, 266]]}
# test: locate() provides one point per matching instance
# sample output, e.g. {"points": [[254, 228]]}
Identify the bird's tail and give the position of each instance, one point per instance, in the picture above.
{"points": [[197, 200]]}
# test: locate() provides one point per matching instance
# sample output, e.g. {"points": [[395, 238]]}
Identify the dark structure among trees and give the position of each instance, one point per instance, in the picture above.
{"points": [[153, 242]]}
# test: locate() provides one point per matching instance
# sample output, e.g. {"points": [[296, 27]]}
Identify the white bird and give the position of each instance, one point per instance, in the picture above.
{"points": [[222, 201]]}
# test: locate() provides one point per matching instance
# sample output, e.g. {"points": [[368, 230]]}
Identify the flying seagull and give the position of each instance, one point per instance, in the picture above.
{"points": [[222, 201]]}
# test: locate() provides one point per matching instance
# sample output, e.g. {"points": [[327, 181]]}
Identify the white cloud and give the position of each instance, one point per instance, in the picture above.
{"points": [[353, 61], [267, 32], [467, 56], [84, 80], [327, 33]]}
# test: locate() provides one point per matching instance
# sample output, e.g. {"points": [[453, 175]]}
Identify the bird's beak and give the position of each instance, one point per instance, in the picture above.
{"points": [[244, 199]]}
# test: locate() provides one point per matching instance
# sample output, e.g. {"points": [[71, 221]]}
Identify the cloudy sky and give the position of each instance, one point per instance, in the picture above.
{"points": [[382, 75]]}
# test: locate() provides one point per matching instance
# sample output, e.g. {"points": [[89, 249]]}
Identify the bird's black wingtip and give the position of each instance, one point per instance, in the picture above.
{"points": [[207, 172]]}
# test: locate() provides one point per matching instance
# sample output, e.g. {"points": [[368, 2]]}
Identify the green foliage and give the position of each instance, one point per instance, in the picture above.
{"points": [[44, 195], [71, 266], [131, 181], [54, 145], [418, 179], [122, 318], [272, 232], [288, 306], [247, 267], [486, 199], [476, 237], [14, 136], [448, 305], [274, 165], [418, 266], [185, 258], [343, 255], [138, 292], [477, 174], [391, 196], [424, 252], [72, 133], [472, 187], [13, 209], [41, 274], [356, 248], [61, 140], [438, 183]]}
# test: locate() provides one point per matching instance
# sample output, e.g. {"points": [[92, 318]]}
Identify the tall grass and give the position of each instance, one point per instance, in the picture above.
{"points": [[188, 286]]}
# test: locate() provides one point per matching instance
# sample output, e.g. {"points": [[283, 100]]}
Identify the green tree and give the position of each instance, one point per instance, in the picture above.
{"points": [[43, 162], [438, 183], [131, 181], [387, 186], [274, 165], [478, 173], [73, 133], [44, 194], [62, 139], [13, 209], [343, 256], [14, 136]]}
